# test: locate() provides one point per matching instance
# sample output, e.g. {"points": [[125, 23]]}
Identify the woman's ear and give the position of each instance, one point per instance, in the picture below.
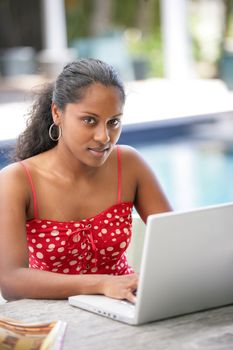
{"points": [[56, 114]]}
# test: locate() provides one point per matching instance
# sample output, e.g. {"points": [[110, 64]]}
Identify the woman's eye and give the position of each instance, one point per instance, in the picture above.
{"points": [[89, 120], [114, 122]]}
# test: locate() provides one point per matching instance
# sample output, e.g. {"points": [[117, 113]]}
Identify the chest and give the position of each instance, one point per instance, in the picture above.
{"points": [[66, 202]]}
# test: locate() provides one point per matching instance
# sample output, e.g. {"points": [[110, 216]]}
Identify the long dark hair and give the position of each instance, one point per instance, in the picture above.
{"points": [[69, 87]]}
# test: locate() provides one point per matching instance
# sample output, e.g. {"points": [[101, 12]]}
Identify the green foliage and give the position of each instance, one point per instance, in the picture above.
{"points": [[229, 29], [150, 48], [125, 15], [125, 12], [78, 18]]}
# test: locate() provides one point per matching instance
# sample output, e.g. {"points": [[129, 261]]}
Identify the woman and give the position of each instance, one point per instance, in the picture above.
{"points": [[66, 203]]}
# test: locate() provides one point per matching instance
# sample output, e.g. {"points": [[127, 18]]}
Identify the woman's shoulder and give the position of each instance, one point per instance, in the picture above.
{"points": [[16, 171], [20, 167], [128, 151], [134, 162], [130, 154], [13, 176], [13, 181], [13, 169]]}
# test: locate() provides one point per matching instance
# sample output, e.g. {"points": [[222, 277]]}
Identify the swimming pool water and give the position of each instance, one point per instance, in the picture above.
{"points": [[4, 156], [192, 174]]}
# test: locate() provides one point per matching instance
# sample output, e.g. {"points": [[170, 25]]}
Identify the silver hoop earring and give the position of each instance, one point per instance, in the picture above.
{"points": [[50, 132]]}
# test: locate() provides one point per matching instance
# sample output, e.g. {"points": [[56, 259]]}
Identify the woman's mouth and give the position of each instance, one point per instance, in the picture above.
{"points": [[98, 152]]}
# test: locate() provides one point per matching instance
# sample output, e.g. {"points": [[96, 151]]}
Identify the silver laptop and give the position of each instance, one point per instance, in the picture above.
{"points": [[187, 266]]}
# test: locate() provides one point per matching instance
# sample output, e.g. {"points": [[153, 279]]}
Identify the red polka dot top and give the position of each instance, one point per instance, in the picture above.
{"points": [[96, 245]]}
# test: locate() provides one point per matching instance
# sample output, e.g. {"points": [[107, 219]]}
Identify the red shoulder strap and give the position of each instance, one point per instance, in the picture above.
{"points": [[32, 188], [119, 174]]}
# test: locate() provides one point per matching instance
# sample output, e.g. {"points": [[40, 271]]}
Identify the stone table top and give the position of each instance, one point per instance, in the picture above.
{"points": [[212, 329]]}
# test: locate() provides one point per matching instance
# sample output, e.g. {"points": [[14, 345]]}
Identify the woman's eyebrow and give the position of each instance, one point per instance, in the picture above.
{"points": [[96, 115], [117, 115]]}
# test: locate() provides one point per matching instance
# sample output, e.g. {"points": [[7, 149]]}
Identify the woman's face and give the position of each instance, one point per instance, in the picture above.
{"points": [[91, 127]]}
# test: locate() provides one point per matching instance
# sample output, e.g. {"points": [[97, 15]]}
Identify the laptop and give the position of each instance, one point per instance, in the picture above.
{"points": [[187, 266]]}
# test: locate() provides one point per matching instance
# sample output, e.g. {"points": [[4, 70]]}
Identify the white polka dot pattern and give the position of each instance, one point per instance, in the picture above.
{"points": [[92, 246]]}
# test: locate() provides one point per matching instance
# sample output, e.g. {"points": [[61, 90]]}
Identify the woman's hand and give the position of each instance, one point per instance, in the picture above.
{"points": [[121, 287]]}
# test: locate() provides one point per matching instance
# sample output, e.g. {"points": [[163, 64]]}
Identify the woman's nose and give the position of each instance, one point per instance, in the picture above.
{"points": [[102, 134]]}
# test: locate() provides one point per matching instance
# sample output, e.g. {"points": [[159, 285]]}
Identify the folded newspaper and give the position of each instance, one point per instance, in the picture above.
{"points": [[17, 335]]}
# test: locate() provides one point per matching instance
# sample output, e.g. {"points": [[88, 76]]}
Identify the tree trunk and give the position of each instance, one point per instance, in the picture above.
{"points": [[101, 17]]}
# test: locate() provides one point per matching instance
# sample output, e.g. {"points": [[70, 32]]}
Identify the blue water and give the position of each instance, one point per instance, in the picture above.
{"points": [[192, 174], [4, 156]]}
